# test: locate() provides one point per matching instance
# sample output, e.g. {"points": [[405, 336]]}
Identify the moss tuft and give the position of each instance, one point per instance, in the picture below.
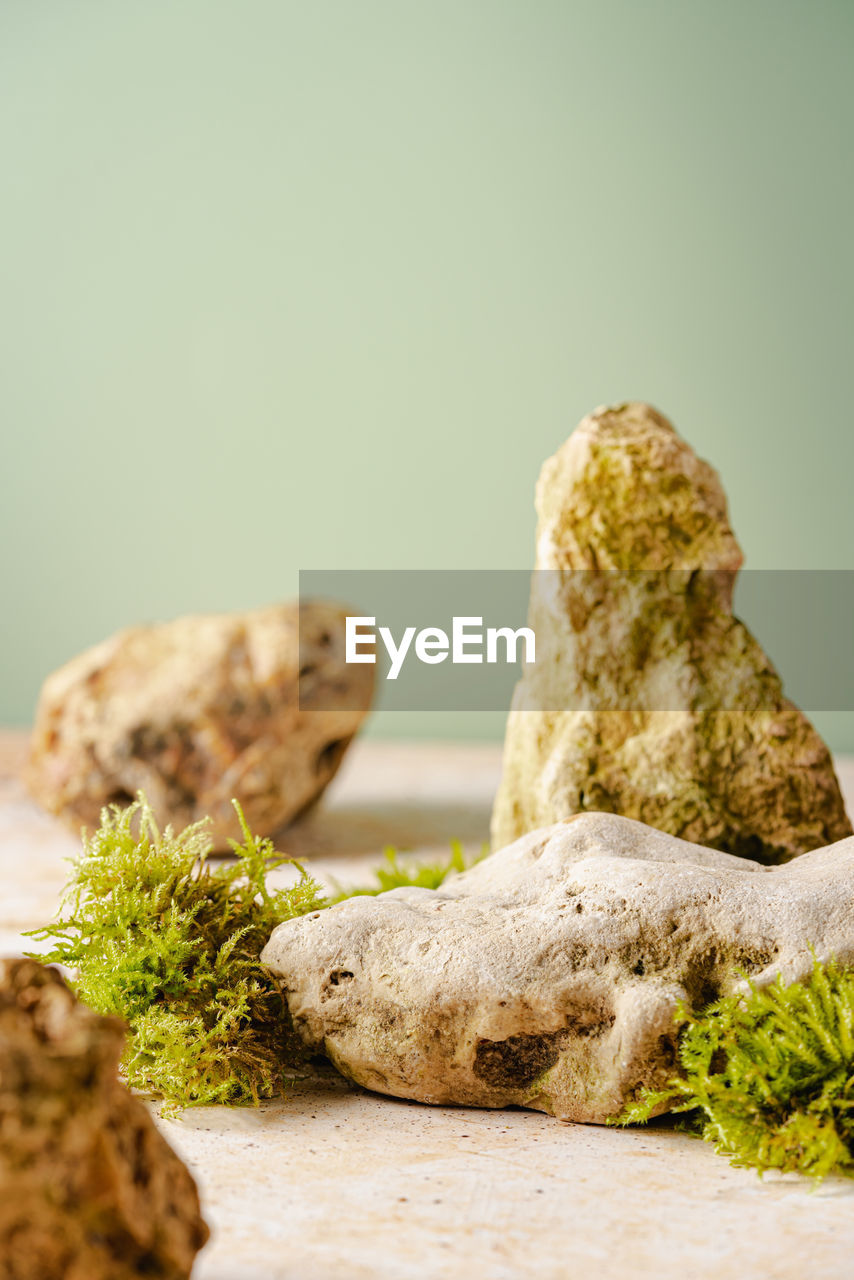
{"points": [[769, 1076], [394, 874], [161, 938]]}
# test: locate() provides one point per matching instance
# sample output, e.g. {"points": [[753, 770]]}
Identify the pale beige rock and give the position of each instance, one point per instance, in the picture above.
{"points": [[548, 976], [649, 698], [200, 710]]}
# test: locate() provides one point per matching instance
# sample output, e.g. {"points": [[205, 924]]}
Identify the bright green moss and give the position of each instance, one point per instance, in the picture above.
{"points": [[769, 1077], [170, 943], [159, 936], [396, 875]]}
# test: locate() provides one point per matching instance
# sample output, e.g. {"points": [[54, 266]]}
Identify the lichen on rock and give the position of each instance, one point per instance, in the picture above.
{"points": [[89, 1189], [550, 974], [260, 706], [648, 697]]}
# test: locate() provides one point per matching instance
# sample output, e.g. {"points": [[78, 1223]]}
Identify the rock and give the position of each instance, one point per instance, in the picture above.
{"points": [[548, 975], [648, 698], [89, 1189], [200, 710]]}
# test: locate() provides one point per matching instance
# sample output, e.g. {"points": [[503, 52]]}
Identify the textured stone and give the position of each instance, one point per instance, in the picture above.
{"points": [[200, 710], [89, 1190], [648, 698], [548, 976]]}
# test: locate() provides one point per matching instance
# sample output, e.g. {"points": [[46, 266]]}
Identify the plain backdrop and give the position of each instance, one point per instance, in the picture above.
{"points": [[319, 285]]}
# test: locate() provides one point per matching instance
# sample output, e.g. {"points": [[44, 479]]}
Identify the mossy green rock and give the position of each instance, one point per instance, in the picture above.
{"points": [[649, 698]]}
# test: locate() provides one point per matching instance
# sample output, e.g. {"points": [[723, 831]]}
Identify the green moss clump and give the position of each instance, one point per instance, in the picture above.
{"points": [[171, 944], [158, 936], [769, 1076], [423, 875]]}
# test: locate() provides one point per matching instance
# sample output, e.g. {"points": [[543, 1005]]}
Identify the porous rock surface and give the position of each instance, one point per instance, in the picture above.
{"points": [[549, 975], [89, 1190], [648, 698], [259, 706]]}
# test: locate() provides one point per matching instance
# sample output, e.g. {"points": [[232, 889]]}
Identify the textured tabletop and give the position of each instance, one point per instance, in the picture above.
{"points": [[334, 1183]]}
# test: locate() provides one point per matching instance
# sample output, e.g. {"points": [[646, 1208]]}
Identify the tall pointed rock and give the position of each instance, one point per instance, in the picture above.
{"points": [[649, 698]]}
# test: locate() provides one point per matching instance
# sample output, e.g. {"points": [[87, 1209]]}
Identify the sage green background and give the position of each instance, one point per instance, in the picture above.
{"points": [[320, 284]]}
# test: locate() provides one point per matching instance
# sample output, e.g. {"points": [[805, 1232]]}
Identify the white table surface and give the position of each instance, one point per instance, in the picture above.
{"points": [[334, 1183]]}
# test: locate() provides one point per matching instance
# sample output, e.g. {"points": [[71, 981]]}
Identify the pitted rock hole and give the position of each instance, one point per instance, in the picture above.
{"points": [[517, 1061], [330, 756]]}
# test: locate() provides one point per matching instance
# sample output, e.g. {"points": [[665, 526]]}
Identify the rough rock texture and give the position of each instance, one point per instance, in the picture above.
{"points": [[89, 1190], [548, 975], [200, 710], [648, 698]]}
